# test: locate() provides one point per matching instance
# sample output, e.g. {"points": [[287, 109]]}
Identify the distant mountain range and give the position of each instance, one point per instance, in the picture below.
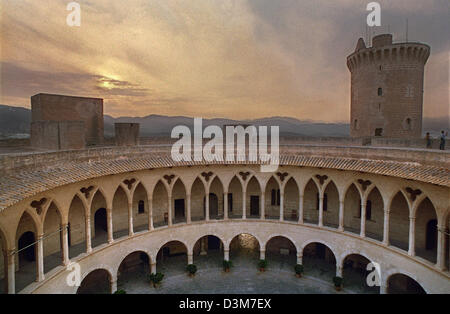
{"points": [[15, 122]]}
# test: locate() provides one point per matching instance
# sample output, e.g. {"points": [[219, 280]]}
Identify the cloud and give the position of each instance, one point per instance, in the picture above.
{"points": [[236, 58]]}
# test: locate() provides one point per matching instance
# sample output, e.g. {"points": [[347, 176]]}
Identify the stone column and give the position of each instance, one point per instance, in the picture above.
{"points": [[412, 237], [153, 268], [300, 209], [150, 213], [188, 209], [113, 286], [383, 288], [130, 219], [363, 219], [263, 205], [440, 261], [282, 205], [190, 258], [169, 210], [341, 215], [110, 225], [65, 244], [225, 205], [207, 205], [321, 210], [11, 271], [87, 228], [299, 258], [386, 227], [262, 253], [40, 260], [338, 270], [244, 203], [226, 255]]}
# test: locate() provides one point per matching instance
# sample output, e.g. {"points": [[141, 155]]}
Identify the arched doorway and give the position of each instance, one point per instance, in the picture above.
{"points": [[179, 202], [352, 210], [291, 199], [399, 222], [97, 282], [272, 199], [216, 199], [355, 274], [244, 251], [402, 284], [26, 258], [160, 201], [120, 213], [208, 252], [311, 203], [99, 225], [426, 232], [77, 230], [134, 268], [198, 200], [319, 261], [235, 199], [375, 215], [52, 238], [331, 206], [281, 254], [172, 258], [140, 209], [253, 199]]}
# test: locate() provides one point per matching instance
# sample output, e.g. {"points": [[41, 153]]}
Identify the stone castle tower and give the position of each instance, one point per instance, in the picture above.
{"points": [[387, 88]]}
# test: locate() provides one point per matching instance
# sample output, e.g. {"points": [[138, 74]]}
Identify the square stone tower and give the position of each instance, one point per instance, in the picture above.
{"points": [[387, 88], [60, 108]]}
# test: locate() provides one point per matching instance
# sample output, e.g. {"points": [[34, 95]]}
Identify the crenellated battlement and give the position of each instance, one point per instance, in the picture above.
{"points": [[384, 51]]}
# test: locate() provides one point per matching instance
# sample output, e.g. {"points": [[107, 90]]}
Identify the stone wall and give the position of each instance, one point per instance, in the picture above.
{"points": [[46, 107], [58, 135], [126, 134]]}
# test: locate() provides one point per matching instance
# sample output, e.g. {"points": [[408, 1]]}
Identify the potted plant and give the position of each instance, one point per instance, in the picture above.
{"points": [[192, 269], [298, 270], [338, 282], [227, 265], [262, 264], [121, 291], [156, 279]]}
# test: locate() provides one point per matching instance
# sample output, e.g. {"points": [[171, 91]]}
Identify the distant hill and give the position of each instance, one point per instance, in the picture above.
{"points": [[15, 122], [163, 125]]}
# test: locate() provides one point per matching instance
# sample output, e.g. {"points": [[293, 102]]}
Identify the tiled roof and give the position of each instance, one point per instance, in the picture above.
{"points": [[23, 183]]}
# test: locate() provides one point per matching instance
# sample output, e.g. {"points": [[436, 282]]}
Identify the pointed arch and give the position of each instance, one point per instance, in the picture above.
{"points": [[179, 201], [253, 198], [374, 214], [140, 208], [235, 195], [352, 209], [52, 240], [76, 226], [426, 230], [331, 205], [216, 199], [198, 194], [272, 199], [399, 221], [160, 205], [311, 195]]}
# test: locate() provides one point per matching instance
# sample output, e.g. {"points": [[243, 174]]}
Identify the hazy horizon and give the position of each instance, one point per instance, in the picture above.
{"points": [[239, 59]]}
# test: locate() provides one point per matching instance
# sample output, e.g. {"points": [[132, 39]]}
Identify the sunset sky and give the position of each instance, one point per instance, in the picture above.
{"points": [[209, 58]]}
